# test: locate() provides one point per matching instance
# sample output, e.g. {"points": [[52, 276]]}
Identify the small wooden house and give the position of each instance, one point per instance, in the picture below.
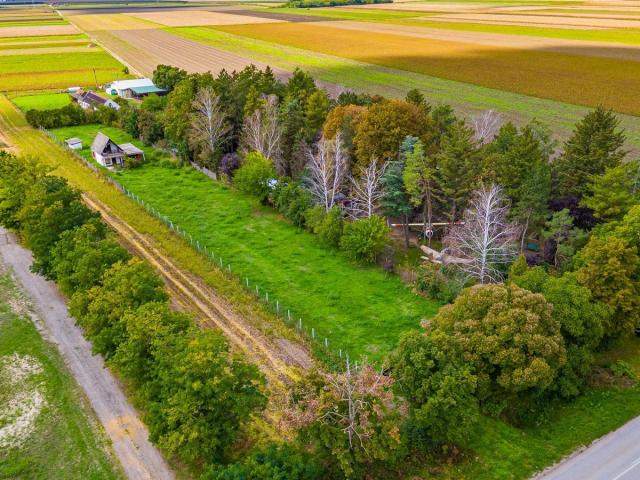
{"points": [[91, 101], [109, 154]]}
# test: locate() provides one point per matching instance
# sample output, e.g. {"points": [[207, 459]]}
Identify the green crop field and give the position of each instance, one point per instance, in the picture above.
{"points": [[46, 101], [66, 442], [58, 70], [360, 309], [42, 39]]}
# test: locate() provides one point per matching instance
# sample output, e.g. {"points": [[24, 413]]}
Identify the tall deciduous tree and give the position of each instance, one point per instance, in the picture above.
{"points": [[596, 144], [262, 132], [485, 239], [209, 126], [431, 375], [366, 190], [351, 418], [508, 336], [486, 125], [385, 125], [327, 167]]}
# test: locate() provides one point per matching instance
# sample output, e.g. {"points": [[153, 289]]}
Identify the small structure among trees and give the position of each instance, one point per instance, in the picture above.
{"points": [[109, 154]]}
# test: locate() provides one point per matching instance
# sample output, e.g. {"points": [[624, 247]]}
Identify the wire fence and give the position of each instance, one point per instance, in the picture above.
{"points": [[327, 349]]}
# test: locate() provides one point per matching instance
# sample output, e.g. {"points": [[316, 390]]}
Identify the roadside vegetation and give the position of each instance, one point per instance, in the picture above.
{"points": [[47, 427]]}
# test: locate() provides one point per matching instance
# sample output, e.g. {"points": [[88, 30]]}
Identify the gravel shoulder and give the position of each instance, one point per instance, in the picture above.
{"points": [[140, 460]]}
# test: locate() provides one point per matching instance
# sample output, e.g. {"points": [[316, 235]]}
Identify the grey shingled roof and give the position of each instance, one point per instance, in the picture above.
{"points": [[99, 143], [130, 149]]}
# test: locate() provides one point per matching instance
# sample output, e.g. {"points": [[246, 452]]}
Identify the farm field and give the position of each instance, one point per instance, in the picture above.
{"points": [[465, 98], [514, 86], [588, 81], [48, 101], [360, 309], [41, 56], [58, 435]]}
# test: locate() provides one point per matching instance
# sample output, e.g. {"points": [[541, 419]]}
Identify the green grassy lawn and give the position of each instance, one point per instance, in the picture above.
{"points": [[67, 442], [46, 101], [466, 99], [360, 309]]}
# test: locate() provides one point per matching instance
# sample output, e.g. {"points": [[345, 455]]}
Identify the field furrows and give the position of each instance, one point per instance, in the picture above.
{"points": [[279, 366], [572, 47]]}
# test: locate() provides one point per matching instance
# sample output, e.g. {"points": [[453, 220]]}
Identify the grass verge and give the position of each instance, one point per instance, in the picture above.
{"points": [[67, 441]]}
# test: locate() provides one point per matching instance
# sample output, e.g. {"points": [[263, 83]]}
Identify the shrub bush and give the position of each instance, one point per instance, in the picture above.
{"points": [[365, 239], [436, 283], [292, 201], [254, 175]]}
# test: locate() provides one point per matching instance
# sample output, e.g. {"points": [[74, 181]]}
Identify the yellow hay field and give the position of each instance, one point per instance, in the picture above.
{"points": [[574, 47], [110, 21], [548, 21], [199, 18], [38, 31]]}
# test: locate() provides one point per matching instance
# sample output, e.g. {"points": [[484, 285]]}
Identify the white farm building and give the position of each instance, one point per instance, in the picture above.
{"points": [[136, 88]]}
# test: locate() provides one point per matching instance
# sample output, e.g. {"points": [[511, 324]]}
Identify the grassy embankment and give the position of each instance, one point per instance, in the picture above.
{"points": [[499, 451], [360, 309], [588, 81], [465, 98], [67, 441]]}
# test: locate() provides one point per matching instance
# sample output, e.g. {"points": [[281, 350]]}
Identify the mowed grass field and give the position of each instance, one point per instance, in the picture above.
{"points": [[581, 80], [61, 438], [46, 101], [362, 310]]}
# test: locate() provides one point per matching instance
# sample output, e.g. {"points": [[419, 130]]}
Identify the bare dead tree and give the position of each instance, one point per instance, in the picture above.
{"points": [[486, 240], [327, 167], [486, 125], [262, 131], [209, 126], [366, 190]]}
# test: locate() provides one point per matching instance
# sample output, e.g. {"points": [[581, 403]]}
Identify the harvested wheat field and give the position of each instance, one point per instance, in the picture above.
{"points": [[37, 30], [573, 47], [116, 21], [547, 21], [162, 47], [581, 80], [184, 18]]}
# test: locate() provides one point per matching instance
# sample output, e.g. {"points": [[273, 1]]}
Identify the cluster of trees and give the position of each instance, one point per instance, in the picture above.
{"points": [[72, 114], [196, 395], [330, 3]]}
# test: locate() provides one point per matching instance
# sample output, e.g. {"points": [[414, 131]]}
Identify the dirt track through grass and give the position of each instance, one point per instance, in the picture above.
{"points": [[277, 349], [212, 311]]}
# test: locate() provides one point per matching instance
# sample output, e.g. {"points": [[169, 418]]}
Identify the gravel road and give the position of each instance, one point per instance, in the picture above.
{"points": [[139, 458]]}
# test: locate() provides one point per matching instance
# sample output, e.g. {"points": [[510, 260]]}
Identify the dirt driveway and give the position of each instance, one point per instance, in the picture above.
{"points": [[139, 458]]}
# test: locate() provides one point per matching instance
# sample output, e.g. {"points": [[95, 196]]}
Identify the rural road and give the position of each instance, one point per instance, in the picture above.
{"points": [[140, 460], [615, 456]]}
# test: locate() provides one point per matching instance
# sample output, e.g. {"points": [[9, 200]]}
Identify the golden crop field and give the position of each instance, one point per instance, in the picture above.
{"points": [[577, 79]]}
